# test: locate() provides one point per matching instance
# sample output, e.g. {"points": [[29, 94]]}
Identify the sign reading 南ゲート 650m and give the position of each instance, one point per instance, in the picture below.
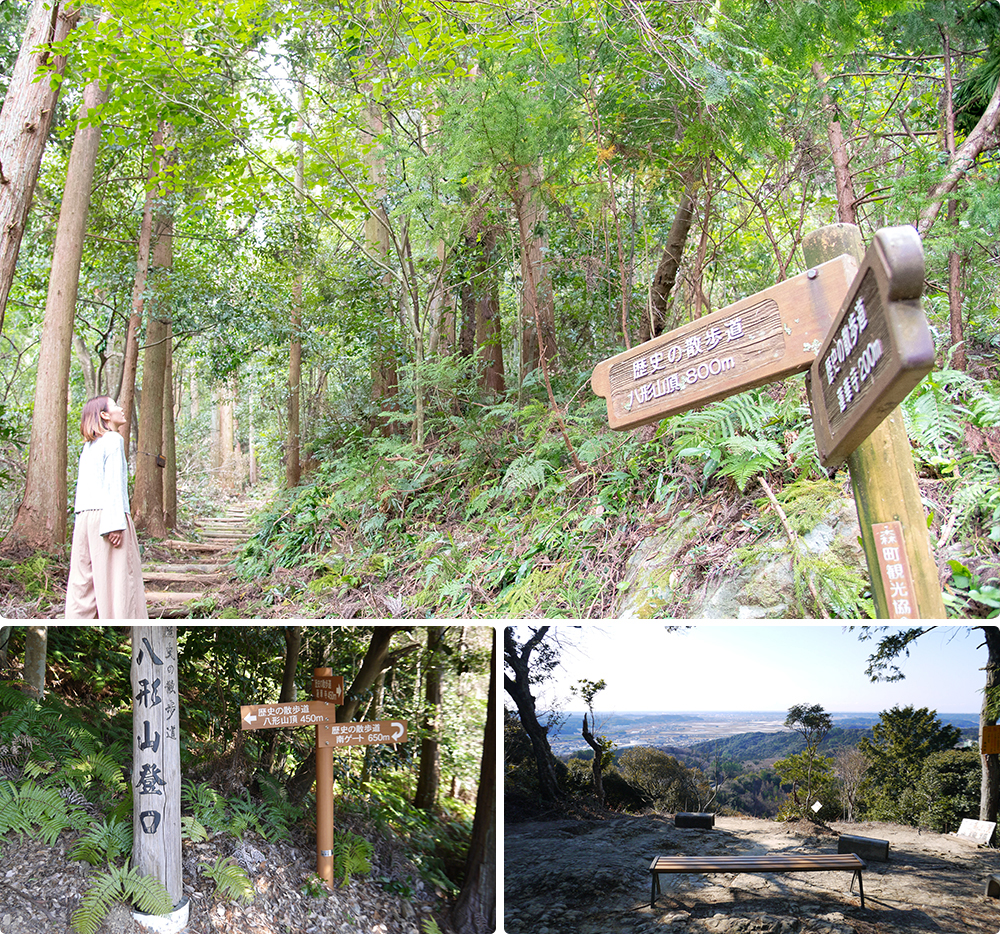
{"points": [[877, 350], [762, 338]]}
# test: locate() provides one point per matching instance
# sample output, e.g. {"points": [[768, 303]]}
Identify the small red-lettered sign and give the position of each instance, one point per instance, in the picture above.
{"points": [[895, 570]]}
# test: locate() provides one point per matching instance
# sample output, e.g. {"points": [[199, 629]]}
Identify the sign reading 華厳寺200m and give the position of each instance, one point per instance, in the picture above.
{"points": [[762, 338], [878, 349]]}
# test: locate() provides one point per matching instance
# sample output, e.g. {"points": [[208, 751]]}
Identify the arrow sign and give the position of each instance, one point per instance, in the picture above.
{"points": [[877, 350], [272, 716], [762, 338], [362, 733], [329, 688]]}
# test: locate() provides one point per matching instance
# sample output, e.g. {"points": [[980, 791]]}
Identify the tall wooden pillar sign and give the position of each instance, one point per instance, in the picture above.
{"points": [[156, 757]]}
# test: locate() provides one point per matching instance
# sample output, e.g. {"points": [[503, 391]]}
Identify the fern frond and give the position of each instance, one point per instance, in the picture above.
{"points": [[105, 842], [118, 884], [192, 829], [231, 881], [351, 855]]}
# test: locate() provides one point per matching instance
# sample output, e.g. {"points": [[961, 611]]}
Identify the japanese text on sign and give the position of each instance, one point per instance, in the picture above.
{"points": [[157, 689], [690, 353], [269, 716], [364, 733], [895, 570]]}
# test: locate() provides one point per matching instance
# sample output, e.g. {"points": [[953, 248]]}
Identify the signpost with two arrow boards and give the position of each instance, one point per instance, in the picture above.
{"points": [[321, 713]]}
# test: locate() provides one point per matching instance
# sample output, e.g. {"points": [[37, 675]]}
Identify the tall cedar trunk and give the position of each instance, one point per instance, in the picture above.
{"points": [[36, 640], [25, 120], [228, 461], [40, 523], [957, 327], [429, 776], [487, 297], [519, 689], [475, 908], [147, 500], [665, 278], [538, 329], [130, 362], [377, 659], [293, 439], [293, 646], [989, 788], [169, 446], [384, 364], [597, 766]]}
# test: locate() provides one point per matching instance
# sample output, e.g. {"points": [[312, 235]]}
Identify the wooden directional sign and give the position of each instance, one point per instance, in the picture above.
{"points": [[877, 350], [271, 716], [362, 733], [328, 688], [765, 337]]}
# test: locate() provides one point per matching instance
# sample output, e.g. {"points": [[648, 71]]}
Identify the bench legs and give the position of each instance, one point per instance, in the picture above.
{"points": [[654, 889], [861, 886]]}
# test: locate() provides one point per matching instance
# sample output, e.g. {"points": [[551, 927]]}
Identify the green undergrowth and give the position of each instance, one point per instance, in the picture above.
{"points": [[492, 519]]}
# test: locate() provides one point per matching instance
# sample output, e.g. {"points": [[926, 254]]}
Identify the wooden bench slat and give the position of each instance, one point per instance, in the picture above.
{"points": [[761, 862]]}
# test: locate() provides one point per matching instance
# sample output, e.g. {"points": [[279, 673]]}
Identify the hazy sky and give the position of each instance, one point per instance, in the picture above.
{"points": [[755, 667]]}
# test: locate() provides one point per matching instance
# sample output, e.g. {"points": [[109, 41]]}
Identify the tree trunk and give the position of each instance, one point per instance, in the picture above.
{"points": [[954, 260], [654, 323], [429, 777], [169, 473], [131, 359], [293, 646], [25, 120], [147, 500], [519, 689], [293, 441], [597, 767], [487, 298], [537, 302], [475, 908], [846, 200], [989, 789], [960, 163], [40, 523], [36, 640]]}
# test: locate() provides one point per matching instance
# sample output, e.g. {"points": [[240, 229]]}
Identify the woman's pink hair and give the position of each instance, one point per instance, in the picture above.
{"points": [[91, 426]]}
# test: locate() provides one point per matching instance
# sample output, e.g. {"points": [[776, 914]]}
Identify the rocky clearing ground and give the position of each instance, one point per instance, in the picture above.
{"points": [[590, 876]]}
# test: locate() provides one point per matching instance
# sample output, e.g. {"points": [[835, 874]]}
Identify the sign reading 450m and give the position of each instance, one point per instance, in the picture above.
{"points": [[764, 337]]}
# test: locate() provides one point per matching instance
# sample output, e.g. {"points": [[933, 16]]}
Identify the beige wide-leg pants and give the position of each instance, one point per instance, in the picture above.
{"points": [[104, 582]]}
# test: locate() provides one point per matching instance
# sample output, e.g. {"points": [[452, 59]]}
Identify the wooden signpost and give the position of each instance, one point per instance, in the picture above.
{"points": [[877, 350], [856, 324], [329, 734], [757, 340], [156, 760]]}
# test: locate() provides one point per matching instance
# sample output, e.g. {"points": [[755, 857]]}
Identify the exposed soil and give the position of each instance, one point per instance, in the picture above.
{"points": [[40, 889], [591, 876]]}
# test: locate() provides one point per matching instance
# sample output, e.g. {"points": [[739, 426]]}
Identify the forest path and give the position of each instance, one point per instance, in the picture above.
{"points": [[189, 571]]}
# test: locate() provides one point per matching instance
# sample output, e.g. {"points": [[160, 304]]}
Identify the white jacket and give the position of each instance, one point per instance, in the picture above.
{"points": [[102, 482]]}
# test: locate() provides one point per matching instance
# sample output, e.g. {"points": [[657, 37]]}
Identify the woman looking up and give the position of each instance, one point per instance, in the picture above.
{"points": [[105, 570]]}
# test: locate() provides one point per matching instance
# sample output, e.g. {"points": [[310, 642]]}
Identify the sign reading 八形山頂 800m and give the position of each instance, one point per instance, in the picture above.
{"points": [[762, 338], [878, 348]]}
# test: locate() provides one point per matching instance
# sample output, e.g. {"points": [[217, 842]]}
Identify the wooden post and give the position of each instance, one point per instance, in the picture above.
{"points": [[882, 474], [324, 799], [156, 757]]}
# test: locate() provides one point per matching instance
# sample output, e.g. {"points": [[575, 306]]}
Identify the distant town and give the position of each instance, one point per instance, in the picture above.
{"points": [[691, 728]]}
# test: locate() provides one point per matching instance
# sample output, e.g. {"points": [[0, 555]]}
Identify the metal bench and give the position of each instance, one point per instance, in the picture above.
{"points": [[761, 863]]}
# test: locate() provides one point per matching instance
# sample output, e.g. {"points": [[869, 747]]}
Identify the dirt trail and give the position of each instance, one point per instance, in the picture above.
{"points": [[186, 571], [591, 877]]}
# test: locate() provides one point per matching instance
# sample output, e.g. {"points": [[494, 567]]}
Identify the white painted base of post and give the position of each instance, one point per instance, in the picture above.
{"points": [[173, 923]]}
